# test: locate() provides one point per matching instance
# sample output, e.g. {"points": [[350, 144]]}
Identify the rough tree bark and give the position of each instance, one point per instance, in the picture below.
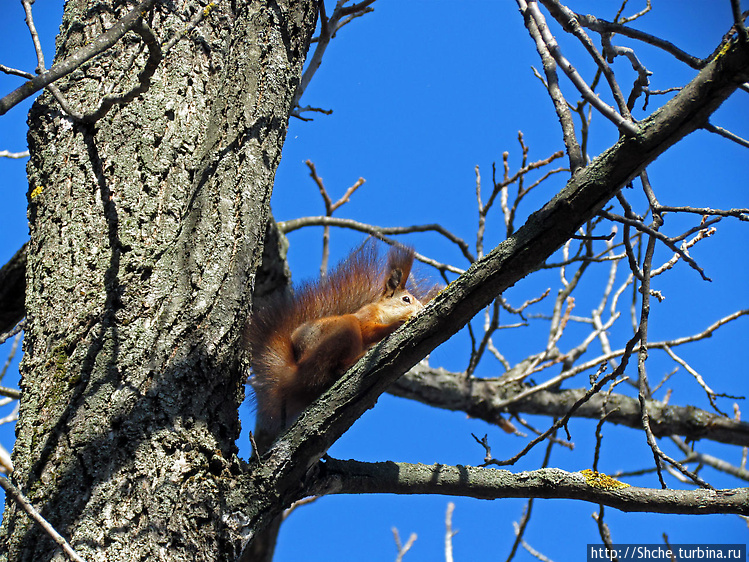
{"points": [[145, 230]]}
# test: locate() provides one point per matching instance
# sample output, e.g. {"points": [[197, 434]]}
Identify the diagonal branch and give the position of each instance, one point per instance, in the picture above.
{"points": [[603, 26], [98, 45], [576, 155], [26, 505], [624, 125]]}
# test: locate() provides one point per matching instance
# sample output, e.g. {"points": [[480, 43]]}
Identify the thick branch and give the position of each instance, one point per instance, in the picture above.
{"points": [[353, 477], [478, 397]]}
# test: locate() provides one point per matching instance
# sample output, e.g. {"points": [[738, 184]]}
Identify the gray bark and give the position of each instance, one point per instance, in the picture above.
{"points": [[352, 477], [145, 233], [479, 398]]}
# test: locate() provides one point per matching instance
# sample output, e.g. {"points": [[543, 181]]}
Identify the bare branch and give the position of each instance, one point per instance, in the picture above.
{"points": [[97, 46], [709, 460], [330, 208], [21, 500], [566, 18], [308, 108], [738, 20], [6, 464], [656, 234], [603, 528], [711, 395], [633, 17], [16, 72], [8, 154], [704, 334], [726, 134], [606, 110], [297, 504], [41, 67], [523, 524], [449, 533], [643, 74], [403, 548], [532, 551], [701, 235], [576, 156], [328, 28], [14, 331], [354, 477], [563, 421], [13, 393], [603, 26], [295, 224], [643, 384], [480, 398]]}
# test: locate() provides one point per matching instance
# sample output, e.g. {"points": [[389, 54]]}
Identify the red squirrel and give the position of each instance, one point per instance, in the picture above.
{"points": [[301, 344]]}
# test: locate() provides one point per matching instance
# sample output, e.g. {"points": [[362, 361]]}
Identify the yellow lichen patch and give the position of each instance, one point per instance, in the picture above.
{"points": [[726, 47], [600, 480], [36, 191]]}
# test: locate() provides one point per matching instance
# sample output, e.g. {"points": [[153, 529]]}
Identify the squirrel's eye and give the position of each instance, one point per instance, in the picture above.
{"points": [[407, 299]]}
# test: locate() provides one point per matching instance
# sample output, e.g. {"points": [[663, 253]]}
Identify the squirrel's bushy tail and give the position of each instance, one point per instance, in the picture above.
{"points": [[301, 342], [356, 282]]}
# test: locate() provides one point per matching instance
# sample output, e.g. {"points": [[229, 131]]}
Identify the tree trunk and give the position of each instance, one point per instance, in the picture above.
{"points": [[145, 230]]}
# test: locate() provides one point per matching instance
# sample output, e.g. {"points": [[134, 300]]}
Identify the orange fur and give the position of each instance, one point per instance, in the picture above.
{"points": [[300, 344]]}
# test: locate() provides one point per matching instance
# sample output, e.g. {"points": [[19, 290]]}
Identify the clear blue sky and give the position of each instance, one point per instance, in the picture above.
{"points": [[422, 92]]}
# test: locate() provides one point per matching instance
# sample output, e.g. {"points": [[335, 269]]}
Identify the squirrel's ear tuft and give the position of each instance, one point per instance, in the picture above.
{"points": [[400, 260], [394, 282]]}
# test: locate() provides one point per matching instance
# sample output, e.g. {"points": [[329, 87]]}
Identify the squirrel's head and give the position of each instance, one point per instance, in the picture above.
{"points": [[398, 303], [397, 306]]}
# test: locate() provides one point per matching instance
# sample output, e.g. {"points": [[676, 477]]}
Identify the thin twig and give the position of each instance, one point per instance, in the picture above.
{"points": [[95, 47], [379, 231], [660, 236], [402, 548], [606, 110], [21, 500], [521, 527], [449, 533], [644, 389], [726, 134], [330, 208], [709, 460], [563, 422], [576, 156], [328, 28]]}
